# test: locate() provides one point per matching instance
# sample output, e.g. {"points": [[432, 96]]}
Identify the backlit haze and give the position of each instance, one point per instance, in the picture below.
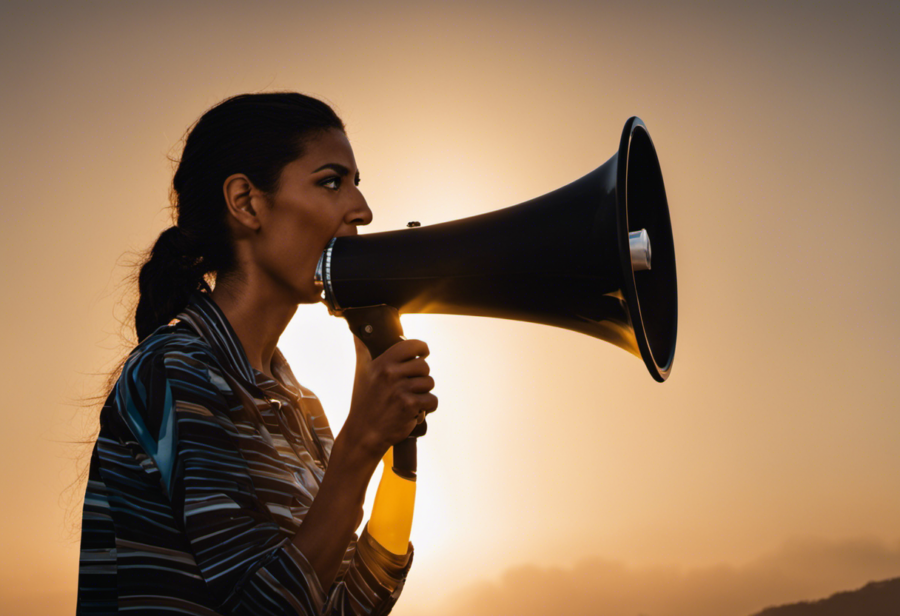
{"points": [[557, 476]]}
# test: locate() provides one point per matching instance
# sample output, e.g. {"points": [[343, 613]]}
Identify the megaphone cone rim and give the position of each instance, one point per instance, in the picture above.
{"points": [[658, 372]]}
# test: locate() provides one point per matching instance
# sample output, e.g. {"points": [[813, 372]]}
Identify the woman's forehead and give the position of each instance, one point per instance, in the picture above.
{"points": [[331, 146]]}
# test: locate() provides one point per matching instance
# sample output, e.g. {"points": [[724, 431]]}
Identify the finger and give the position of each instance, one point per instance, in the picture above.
{"points": [[427, 402], [421, 384], [406, 350], [412, 368]]}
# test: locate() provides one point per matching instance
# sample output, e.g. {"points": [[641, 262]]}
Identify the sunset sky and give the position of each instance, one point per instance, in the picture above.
{"points": [[557, 476]]}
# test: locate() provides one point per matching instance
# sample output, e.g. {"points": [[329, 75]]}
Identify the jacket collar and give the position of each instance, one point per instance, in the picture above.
{"points": [[204, 315], [208, 320]]}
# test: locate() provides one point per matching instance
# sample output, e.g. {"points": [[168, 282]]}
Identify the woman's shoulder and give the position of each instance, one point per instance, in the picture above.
{"points": [[172, 346]]}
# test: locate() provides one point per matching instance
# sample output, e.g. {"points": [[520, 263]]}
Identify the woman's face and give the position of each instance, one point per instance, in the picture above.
{"points": [[318, 199]]}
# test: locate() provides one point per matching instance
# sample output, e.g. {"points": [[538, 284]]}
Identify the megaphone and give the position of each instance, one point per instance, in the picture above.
{"points": [[595, 256]]}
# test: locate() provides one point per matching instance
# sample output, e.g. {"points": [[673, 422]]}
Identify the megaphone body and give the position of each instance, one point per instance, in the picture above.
{"points": [[578, 258]]}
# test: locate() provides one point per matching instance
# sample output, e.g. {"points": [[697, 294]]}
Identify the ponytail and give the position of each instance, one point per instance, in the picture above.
{"points": [[166, 280]]}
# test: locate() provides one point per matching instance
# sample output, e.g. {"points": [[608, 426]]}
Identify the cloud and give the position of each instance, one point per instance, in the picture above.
{"points": [[801, 569]]}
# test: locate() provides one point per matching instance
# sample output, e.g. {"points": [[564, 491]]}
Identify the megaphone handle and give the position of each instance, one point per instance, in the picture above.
{"points": [[379, 329]]}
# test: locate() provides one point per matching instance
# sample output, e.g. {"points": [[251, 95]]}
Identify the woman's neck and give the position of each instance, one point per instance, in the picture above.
{"points": [[259, 315]]}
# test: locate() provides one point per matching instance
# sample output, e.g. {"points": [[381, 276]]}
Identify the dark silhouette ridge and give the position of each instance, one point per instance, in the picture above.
{"points": [[873, 599]]}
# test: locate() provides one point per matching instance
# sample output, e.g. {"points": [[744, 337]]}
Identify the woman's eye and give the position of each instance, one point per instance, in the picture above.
{"points": [[332, 183]]}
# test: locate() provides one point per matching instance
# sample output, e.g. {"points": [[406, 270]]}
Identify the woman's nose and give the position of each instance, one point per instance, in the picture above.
{"points": [[359, 214]]}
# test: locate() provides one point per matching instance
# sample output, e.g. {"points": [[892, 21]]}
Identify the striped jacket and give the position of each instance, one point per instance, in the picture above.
{"points": [[202, 471]]}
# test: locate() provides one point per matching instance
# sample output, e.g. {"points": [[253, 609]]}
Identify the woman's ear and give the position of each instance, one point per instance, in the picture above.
{"points": [[239, 194]]}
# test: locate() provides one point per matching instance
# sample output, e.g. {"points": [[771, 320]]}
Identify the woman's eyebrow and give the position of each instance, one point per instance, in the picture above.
{"points": [[338, 168]]}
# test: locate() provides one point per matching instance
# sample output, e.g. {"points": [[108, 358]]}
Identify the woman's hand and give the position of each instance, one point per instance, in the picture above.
{"points": [[391, 394]]}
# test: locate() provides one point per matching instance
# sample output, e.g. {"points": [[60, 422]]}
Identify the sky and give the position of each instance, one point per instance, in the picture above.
{"points": [[556, 471]]}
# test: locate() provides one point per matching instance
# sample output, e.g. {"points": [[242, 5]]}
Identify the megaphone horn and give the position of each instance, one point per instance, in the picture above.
{"points": [[595, 256]]}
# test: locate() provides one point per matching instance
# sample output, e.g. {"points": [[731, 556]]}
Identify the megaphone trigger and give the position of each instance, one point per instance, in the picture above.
{"points": [[377, 326]]}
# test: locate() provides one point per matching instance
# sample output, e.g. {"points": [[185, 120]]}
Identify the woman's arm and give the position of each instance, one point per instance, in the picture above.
{"points": [[334, 515], [388, 394]]}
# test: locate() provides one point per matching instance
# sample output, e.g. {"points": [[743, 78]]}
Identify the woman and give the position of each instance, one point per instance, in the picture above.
{"points": [[215, 485]]}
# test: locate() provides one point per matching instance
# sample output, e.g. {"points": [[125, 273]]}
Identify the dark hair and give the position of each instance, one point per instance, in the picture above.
{"points": [[253, 134]]}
